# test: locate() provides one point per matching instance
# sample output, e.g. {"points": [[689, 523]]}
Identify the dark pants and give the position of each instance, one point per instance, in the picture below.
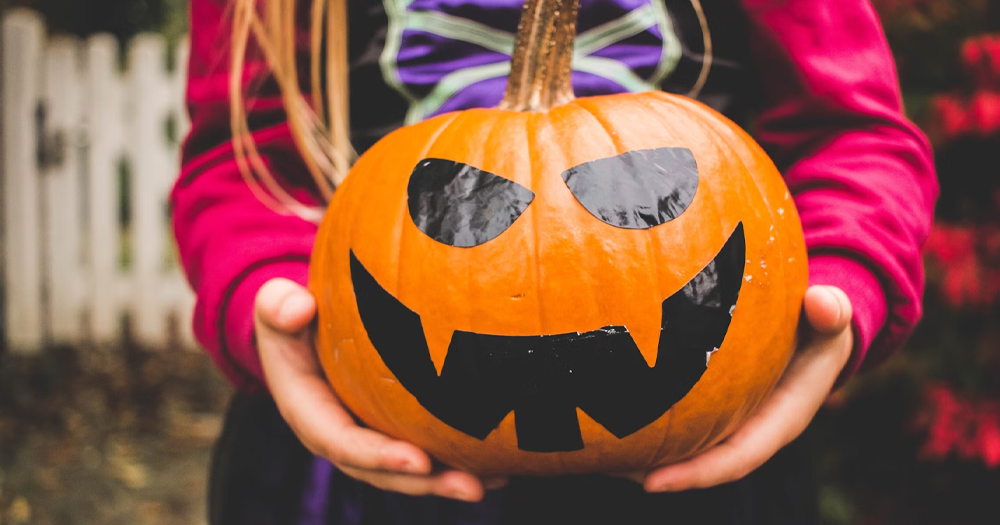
{"points": [[259, 470]]}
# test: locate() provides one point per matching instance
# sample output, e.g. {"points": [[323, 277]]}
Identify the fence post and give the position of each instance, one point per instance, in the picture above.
{"points": [[62, 187], [154, 168], [179, 84], [23, 32], [104, 117]]}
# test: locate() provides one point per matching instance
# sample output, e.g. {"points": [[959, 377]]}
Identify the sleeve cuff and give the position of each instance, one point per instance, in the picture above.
{"points": [[867, 298], [239, 346]]}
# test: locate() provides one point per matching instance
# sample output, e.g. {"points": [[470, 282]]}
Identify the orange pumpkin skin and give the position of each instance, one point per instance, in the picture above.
{"points": [[558, 269]]}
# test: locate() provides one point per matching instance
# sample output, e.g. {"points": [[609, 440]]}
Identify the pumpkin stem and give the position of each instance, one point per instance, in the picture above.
{"points": [[542, 61]]}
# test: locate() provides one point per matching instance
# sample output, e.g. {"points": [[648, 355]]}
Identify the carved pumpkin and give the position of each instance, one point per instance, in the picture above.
{"points": [[558, 285]]}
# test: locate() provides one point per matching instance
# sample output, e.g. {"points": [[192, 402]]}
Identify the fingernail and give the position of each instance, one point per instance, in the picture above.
{"points": [[459, 491], [662, 485], [290, 306], [462, 495], [836, 299], [659, 487], [411, 467]]}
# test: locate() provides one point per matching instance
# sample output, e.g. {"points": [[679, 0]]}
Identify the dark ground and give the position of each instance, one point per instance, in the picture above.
{"points": [[101, 436]]}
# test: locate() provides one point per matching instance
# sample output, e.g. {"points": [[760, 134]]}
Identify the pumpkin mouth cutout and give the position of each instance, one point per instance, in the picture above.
{"points": [[543, 379]]}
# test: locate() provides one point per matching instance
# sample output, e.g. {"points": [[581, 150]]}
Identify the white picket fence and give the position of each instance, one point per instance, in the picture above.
{"points": [[75, 129]]}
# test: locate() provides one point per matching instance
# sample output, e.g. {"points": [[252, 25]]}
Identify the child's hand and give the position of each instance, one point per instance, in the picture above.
{"points": [[283, 313], [786, 413]]}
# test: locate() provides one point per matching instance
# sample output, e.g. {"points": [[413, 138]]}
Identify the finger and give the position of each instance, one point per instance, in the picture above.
{"points": [[781, 418], [452, 484], [317, 417], [827, 309], [326, 429], [285, 306], [285, 348]]}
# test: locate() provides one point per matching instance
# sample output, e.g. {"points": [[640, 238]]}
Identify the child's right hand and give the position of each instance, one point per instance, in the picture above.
{"points": [[282, 317]]}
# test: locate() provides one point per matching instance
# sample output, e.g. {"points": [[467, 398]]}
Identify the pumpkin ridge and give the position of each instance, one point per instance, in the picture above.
{"points": [[529, 133], [668, 421], [615, 139], [700, 193], [371, 380], [710, 434], [699, 114], [561, 143], [652, 244], [740, 134], [401, 240], [501, 122], [672, 100], [649, 244], [356, 329], [712, 125], [400, 236], [493, 128]]}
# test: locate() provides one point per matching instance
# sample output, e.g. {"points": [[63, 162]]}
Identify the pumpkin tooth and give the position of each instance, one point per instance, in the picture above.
{"points": [[646, 335], [438, 336]]}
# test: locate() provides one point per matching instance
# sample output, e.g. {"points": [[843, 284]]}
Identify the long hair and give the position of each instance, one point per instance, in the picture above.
{"points": [[319, 121]]}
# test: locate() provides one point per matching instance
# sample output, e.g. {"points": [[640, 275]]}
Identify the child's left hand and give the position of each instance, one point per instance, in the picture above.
{"points": [[785, 414]]}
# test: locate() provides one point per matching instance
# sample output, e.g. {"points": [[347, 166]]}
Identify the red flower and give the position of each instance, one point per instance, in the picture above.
{"points": [[968, 429], [968, 262], [954, 115], [962, 283], [950, 115], [949, 244], [987, 437], [949, 422], [984, 112], [981, 58]]}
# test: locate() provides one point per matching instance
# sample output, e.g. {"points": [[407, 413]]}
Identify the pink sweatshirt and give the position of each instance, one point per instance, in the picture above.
{"points": [[818, 75]]}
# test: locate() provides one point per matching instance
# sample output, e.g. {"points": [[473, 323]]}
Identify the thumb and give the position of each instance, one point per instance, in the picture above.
{"points": [[285, 306], [827, 309]]}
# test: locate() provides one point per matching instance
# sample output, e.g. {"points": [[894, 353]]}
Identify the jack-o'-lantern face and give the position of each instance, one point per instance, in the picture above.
{"points": [[544, 378], [609, 285]]}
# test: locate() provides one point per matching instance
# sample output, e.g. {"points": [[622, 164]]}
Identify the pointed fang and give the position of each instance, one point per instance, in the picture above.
{"points": [[438, 340], [646, 335]]}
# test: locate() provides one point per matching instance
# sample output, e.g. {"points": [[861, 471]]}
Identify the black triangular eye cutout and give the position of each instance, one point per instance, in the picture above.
{"points": [[462, 206], [637, 189]]}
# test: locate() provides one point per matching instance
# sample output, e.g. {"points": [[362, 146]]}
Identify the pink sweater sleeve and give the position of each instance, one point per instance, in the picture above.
{"points": [[861, 174], [229, 242]]}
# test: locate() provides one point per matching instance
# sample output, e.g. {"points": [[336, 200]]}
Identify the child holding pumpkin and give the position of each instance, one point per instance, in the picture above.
{"points": [[815, 75]]}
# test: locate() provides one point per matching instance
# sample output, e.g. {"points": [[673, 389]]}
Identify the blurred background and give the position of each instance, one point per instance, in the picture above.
{"points": [[121, 434]]}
